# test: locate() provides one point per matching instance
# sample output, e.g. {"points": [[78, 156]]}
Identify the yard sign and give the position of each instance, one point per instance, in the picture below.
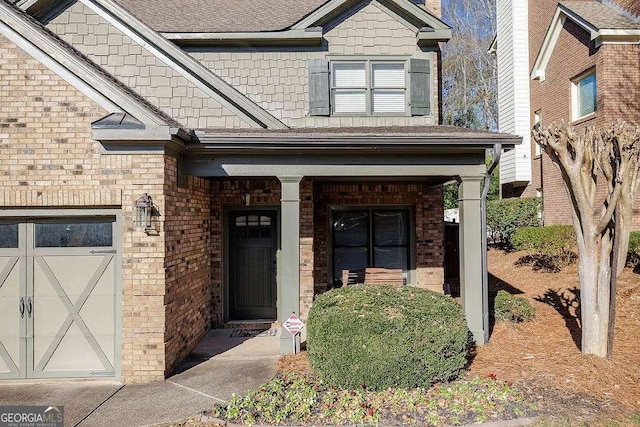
{"points": [[293, 324]]}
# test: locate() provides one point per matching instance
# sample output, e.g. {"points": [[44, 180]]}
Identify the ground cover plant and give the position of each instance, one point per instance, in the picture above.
{"points": [[512, 308], [302, 399]]}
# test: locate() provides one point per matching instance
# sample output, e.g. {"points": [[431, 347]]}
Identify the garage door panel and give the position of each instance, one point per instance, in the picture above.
{"points": [[98, 313], [71, 272], [73, 353], [65, 272], [11, 321]]}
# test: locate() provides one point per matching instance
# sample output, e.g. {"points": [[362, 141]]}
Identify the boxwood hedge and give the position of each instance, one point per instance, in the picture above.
{"points": [[385, 336]]}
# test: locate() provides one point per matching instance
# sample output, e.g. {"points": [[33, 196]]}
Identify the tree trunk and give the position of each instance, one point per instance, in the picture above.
{"points": [[594, 301]]}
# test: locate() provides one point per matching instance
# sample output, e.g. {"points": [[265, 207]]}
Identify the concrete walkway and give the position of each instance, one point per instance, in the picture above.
{"points": [[217, 368]]}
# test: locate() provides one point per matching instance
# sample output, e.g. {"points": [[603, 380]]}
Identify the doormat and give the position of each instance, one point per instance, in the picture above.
{"points": [[251, 333]]}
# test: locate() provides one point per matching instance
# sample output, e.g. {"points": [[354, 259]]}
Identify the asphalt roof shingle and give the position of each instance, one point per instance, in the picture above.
{"points": [[220, 16], [600, 16], [632, 6]]}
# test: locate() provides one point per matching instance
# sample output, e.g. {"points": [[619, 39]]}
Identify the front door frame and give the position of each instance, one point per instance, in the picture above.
{"points": [[226, 239]]}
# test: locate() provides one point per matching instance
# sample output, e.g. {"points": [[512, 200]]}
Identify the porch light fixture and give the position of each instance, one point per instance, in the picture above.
{"points": [[144, 212], [246, 196]]}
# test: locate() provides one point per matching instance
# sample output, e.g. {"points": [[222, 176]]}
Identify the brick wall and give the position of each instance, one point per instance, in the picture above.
{"points": [[618, 83], [187, 263], [48, 160], [429, 227]]}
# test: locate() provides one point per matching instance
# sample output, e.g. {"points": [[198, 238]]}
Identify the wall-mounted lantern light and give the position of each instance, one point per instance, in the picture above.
{"points": [[246, 196], [144, 212]]}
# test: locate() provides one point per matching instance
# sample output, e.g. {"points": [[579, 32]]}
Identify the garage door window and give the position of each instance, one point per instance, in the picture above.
{"points": [[8, 236], [74, 234]]}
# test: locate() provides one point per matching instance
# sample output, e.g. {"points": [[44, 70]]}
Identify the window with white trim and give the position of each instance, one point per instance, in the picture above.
{"points": [[368, 87], [356, 86], [370, 237], [584, 91]]}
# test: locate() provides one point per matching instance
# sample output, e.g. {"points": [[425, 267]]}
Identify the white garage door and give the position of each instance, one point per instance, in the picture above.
{"points": [[58, 287]]}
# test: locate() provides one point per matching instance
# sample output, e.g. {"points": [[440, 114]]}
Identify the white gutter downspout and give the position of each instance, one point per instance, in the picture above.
{"points": [[497, 152]]}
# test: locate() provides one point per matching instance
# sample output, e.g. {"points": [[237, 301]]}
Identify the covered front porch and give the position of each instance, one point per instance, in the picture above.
{"points": [[297, 186]]}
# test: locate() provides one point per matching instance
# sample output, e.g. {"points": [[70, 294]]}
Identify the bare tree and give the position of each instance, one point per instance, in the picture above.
{"points": [[469, 71], [611, 155]]}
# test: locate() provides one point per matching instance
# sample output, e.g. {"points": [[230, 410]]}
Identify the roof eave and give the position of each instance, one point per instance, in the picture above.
{"points": [[435, 36], [379, 142], [599, 35], [308, 36]]}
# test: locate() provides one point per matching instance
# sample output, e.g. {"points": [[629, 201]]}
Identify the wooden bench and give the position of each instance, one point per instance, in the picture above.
{"points": [[373, 276]]}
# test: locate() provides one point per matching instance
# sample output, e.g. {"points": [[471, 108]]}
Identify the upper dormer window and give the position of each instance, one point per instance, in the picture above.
{"points": [[584, 90], [370, 86]]}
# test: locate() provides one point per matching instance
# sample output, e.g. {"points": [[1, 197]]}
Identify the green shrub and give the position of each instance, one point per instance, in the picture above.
{"points": [[512, 308], [505, 216], [549, 240], [386, 336], [633, 253], [552, 245]]}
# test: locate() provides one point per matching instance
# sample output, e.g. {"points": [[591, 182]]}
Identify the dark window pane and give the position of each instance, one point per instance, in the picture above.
{"points": [[390, 228], [349, 259], [388, 257], [69, 234], [254, 232], [241, 232], [265, 232], [351, 229], [8, 235]]}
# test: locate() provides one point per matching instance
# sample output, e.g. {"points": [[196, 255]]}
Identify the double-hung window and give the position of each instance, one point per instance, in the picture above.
{"points": [[370, 237], [369, 87], [355, 86], [585, 93]]}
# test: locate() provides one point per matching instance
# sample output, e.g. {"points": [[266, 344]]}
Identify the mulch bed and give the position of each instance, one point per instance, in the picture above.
{"points": [[546, 351], [543, 357]]}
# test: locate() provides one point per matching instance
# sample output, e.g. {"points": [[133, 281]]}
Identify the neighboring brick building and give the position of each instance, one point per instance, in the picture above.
{"points": [[582, 66], [278, 148]]}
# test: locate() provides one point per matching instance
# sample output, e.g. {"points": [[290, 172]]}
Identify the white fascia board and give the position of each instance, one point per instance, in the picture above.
{"points": [[76, 72], [618, 37], [26, 4], [548, 43], [308, 36], [181, 62]]}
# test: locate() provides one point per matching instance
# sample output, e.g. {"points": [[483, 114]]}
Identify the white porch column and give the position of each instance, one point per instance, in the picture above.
{"points": [[289, 286], [471, 288]]}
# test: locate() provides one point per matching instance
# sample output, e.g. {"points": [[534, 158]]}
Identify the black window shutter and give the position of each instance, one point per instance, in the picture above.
{"points": [[319, 87], [420, 91]]}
